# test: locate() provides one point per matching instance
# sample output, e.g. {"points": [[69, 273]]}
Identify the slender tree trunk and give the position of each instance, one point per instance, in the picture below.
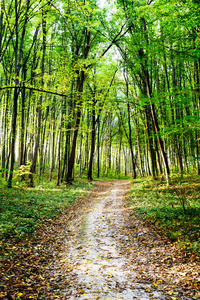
{"points": [[125, 161], [139, 147], [59, 144], [93, 134], [197, 81], [3, 155], [13, 137], [69, 176], [87, 141], [109, 157], [130, 130], [79, 90], [151, 152], [39, 108], [42, 143], [154, 117], [18, 58], [98, 148], [68, 132], [52, 137], [119, 150], [15, 101], [22, 129], [80, 155], [46, 156]]}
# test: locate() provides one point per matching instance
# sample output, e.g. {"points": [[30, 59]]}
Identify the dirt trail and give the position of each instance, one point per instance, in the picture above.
{"points": [[94, 261], [98, 249]]}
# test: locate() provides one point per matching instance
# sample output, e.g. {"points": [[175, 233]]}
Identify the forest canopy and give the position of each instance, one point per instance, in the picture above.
{"points": [[98, 88]]}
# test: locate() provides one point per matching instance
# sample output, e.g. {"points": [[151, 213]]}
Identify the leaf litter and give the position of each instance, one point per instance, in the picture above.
{"points": [[98, 251]]}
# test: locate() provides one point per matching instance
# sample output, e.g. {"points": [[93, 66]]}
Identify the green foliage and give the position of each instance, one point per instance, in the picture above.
{"points": [[174, 211], [23, 209], [112, 175]]}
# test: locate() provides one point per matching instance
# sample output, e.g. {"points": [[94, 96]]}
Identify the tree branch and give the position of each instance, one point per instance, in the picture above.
{"points": [[34, 89]]}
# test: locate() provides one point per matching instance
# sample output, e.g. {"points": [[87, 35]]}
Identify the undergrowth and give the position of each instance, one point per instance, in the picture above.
{"points": [[173, 210], [23, 209]]}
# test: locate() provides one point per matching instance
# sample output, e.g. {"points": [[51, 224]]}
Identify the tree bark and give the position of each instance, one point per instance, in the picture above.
{"points": [[59, 145], [52, 137], [69, 176], [153, 114], [93, 135], [39, 108]]}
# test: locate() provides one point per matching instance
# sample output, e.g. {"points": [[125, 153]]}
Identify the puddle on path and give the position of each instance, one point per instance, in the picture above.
{"points": [[98, 268]]}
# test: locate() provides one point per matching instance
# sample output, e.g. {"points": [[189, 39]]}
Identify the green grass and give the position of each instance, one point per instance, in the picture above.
{"points": [[173, 210], [111, 175], [23, 209]]}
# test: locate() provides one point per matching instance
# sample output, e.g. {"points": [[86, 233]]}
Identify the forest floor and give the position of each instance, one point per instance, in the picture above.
{"points": [[98, 250]]}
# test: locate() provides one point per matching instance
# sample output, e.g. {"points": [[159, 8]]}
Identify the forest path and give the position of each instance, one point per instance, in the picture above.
{"points": [[102, 257], [98, 249]]}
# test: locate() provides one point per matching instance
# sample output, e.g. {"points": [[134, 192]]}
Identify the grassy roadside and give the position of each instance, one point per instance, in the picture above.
{"points": [[174, 210], [34, 226], [23, 209]]}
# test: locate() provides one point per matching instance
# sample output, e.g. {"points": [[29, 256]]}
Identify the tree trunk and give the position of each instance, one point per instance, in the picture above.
{"points": [[93, 134], [15, 100], [98, 149], [52, 137], [69, 176], [22, 129], [68, 133], [39, 108], [3, 155], [59, 144], [153, 114], [139, 147], [130, 130], [13, 137], [42, 143]]}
